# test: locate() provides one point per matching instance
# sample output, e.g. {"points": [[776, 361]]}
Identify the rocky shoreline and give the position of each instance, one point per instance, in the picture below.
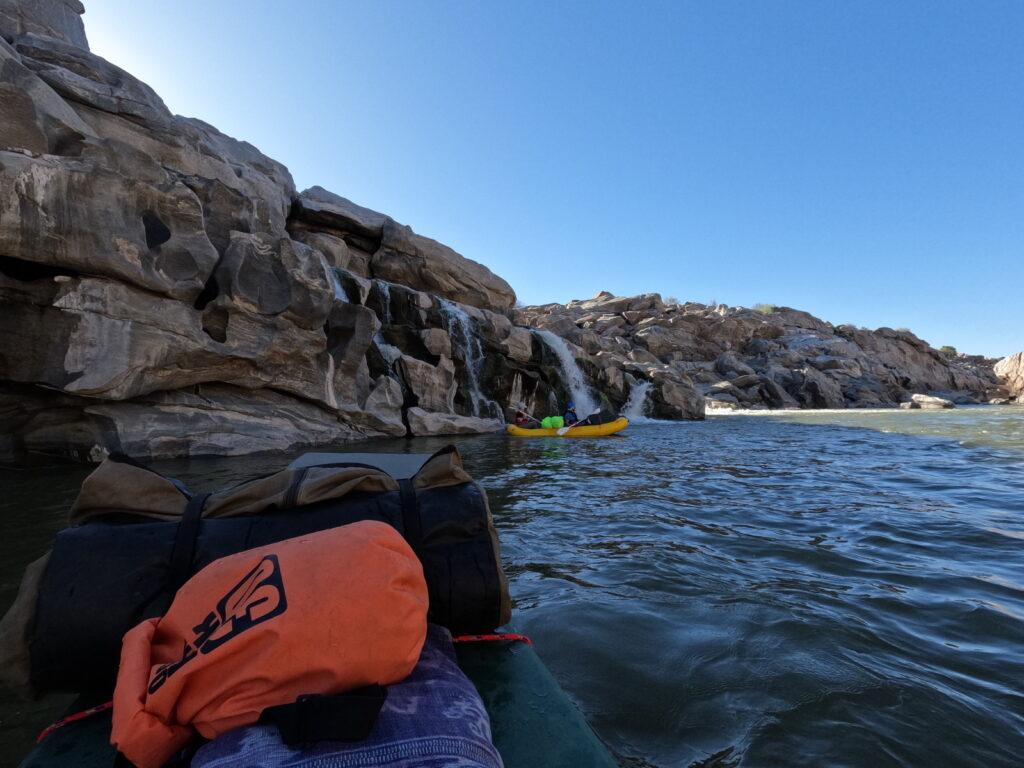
{"points": [[168, 292], [769, 357]]}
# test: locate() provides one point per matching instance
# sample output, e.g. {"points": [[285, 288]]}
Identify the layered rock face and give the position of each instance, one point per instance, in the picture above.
{"points": [[1010, 371], [166, 290], [742, 358]]}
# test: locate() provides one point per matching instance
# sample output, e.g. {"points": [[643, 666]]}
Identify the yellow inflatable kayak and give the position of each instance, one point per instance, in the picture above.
{"points": [[590, 430]]}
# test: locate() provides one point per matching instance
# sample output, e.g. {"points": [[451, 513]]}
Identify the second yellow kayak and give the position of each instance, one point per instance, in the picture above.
{"points": [[590, 430]]}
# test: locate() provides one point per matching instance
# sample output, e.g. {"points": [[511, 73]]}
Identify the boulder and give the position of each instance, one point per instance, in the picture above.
{"points": [[729, 365], [118, 216], [399, 255], [60, 19], [32, 116], [354, 287], [676, 400], [427, 265], [746, 380], [723, 387], [558, 324], [605, 303], [90, 80], [318, 207], [774, 396], [423, 423], [658, 341], [930, 402], [350, 330], [607, 324], [433, 386], [614, 380], [646, 302], [437, 341], [519, 345], [819, 391], [721, 403], [1010, 371], [337, 252], [497, 325], [381, 412], [276, 276], [641, 355]]}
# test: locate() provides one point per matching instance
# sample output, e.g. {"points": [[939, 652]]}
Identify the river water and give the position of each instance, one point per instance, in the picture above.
{"points": [[820, 589]]}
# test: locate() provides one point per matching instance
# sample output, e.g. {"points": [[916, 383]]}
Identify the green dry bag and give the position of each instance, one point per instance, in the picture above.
{"points": [[552, 422]]}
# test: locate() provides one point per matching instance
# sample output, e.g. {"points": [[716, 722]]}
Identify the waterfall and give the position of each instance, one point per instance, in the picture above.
{"points": [[515, 397], [387, 351], [339, 292], [384, 289], [572, 376], [636, 406], [332, 278], [390, 353], [460, 328]]}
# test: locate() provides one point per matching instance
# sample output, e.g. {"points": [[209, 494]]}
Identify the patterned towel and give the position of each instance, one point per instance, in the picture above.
{"points": [[432, 719]]}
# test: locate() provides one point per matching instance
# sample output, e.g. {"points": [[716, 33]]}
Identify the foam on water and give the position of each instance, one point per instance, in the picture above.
{"points": [[635, 408]]}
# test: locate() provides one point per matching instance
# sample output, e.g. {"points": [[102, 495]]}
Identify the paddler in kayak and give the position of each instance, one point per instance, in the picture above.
{"points": [[570, 417]]}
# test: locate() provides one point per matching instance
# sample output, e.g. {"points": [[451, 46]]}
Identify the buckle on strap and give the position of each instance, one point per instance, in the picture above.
{"points": [[348, 716]]}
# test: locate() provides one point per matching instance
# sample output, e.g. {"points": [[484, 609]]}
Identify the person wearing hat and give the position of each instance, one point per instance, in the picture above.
{"points": [[570, 416]]}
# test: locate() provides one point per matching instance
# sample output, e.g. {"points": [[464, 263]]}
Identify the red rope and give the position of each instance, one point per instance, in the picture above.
{"points": [[508, 636], [74, 718]]}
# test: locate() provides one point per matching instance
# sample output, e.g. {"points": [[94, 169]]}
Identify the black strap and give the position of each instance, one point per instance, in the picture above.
{"points": [[291, 498], [341, 717], [184, 552], [411, 528]]}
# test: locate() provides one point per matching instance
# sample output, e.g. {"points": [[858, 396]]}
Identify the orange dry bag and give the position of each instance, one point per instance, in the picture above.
{"points": [[319, 614]]}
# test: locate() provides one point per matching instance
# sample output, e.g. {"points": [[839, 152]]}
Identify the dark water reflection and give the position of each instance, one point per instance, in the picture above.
{"points": [[744, 591]]}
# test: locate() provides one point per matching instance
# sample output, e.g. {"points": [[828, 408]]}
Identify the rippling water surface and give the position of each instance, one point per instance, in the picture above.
{"points": [[803, 589]]}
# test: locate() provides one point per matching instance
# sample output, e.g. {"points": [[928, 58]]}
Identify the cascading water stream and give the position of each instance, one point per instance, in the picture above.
{"points": [[384, 297], [390, 353], [460, 327], [335, 280], [635, 408], [572, 376]]}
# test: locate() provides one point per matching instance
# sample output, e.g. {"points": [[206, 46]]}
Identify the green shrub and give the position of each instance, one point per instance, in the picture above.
{"points": [[948, 351], [766, 309]]}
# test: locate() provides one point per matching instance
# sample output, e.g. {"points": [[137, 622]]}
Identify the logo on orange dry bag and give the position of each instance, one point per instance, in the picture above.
{"points": [[258, 597]]}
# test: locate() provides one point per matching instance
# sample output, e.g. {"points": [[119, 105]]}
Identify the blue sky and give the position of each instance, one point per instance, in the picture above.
{"points": [[863, 161]]}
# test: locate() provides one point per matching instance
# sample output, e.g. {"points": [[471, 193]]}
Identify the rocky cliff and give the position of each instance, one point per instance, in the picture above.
{"points": [[772, 357], [167, 291]]}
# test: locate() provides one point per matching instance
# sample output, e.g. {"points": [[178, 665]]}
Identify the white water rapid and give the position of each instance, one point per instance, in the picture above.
{"points": [[635, 408]]}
